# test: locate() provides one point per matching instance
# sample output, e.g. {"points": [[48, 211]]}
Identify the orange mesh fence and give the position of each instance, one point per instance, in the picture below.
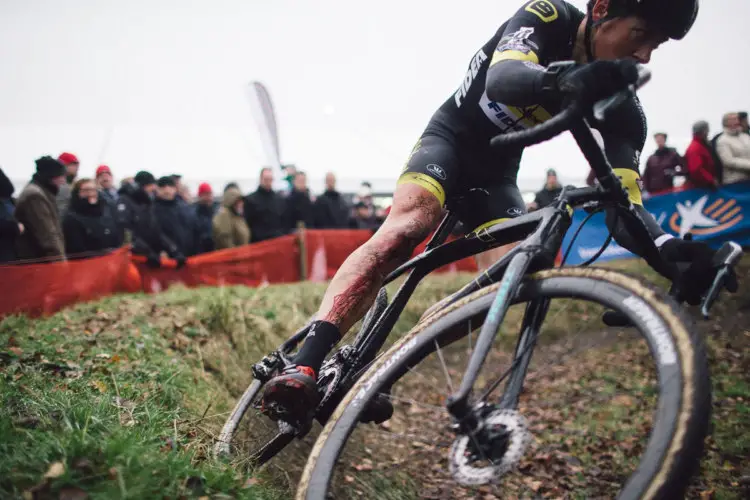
{"points": [[37, 289], [327, 249], [272, 261], [45, 288]]}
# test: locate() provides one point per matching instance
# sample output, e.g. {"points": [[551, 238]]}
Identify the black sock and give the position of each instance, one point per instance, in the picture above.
{"points": [[319, 341]]}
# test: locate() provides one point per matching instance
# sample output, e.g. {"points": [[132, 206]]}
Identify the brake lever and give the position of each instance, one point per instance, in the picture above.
{"points": [[724, 260]]}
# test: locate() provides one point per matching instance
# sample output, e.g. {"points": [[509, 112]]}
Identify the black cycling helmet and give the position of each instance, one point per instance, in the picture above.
{"points": [[674, 18]]}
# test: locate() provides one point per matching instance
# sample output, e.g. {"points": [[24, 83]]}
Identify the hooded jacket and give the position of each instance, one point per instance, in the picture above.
{"points": [[229, 228]]}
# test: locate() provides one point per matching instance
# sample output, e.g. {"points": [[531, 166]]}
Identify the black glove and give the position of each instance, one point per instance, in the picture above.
{"points": [[180, 259], [597, 80], [694, 271], [153, 261]]}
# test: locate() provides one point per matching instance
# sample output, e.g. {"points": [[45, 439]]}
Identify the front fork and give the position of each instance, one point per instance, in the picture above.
{"points": [[458, 403]]}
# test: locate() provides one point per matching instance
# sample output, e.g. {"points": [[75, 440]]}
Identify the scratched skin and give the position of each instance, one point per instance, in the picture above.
{"points": [[414, 215]]}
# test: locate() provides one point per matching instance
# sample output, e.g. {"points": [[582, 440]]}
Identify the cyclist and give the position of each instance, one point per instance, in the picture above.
{"points": [[507, 87]]}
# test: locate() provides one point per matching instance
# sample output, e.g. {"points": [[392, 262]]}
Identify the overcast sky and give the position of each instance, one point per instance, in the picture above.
{"points": [[159, 84]]}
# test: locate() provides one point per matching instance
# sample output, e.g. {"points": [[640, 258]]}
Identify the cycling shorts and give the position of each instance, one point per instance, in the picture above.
{"points": [[480, 187]]}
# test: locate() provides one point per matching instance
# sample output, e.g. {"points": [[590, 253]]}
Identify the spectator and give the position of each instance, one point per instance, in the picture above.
{"points": [[264, 210], [699, 159], [299, 206], [106, 184], [744, 125], [229, 227], [89, 225], [36, 209], [205, 209], [136, 211], [10, 228], [364, 195], [549, 192], [331, 210], [71, 171], [661, 166], [172, 216], [733, 147], [363, 218], [231, 185]]}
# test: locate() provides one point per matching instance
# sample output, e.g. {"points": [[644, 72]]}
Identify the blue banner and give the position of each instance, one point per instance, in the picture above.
{"points": [[711, 216]]}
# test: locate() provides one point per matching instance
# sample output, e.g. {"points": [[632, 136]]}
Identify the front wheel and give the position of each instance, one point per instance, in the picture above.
{"points": [[422, 458]]}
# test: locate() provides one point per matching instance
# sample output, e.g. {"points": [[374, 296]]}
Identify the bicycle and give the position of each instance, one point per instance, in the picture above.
{"points": [[491, 436]]}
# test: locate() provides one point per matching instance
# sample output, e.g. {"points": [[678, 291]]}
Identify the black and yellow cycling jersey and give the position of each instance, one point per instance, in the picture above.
{"points": [[453, 159]]}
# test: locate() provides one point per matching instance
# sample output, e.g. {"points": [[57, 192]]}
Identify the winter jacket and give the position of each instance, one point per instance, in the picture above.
{"points": [[36, 209], [734, 150], [700, 164], [109, 196], [229, 228], [264, 211], [176, 224], [90, 228], [331, 211], [135, 212], [299, 208], [545, 197], [204, 216], [660, 169], [62, 198]]}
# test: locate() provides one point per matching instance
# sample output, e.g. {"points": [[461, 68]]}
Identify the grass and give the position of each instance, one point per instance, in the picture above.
{"points": [[122, 398]]}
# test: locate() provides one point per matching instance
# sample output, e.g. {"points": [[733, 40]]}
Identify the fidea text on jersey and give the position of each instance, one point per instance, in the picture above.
{"points": [[471, 73]]}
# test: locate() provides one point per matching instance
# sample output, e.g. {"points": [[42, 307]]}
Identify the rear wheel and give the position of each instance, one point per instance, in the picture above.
{"points": [[353, 460]]}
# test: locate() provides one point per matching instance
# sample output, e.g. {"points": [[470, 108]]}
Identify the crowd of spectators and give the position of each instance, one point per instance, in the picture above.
{"points": [[708, 162], [59, 216]]}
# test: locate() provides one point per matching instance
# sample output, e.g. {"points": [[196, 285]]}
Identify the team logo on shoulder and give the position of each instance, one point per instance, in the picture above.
{"points": [[543, 9], [515, 212], [437, 171]]}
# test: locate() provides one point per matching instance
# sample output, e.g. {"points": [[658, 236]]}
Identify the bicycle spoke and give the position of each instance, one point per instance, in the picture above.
{"points": [[445, 368]]}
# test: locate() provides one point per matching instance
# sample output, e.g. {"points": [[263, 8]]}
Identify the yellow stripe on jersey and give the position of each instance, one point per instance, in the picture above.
{"points": [[426, 182], [514, 55], [630, 182]]}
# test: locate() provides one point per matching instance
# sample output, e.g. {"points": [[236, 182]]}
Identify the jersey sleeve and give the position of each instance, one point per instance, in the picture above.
{"points": [[624, 135], [515, 73]]}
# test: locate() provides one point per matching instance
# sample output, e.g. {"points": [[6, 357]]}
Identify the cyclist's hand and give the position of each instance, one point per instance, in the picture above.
{"points": [[598, 80], [695, 272]]}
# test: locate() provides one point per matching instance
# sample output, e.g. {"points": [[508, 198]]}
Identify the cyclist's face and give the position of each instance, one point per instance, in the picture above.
{"points": [[625, 37]]}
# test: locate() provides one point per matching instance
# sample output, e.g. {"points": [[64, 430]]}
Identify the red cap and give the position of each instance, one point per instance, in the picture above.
{"points": [[67, 158], [103, 169], [204, 188]]}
